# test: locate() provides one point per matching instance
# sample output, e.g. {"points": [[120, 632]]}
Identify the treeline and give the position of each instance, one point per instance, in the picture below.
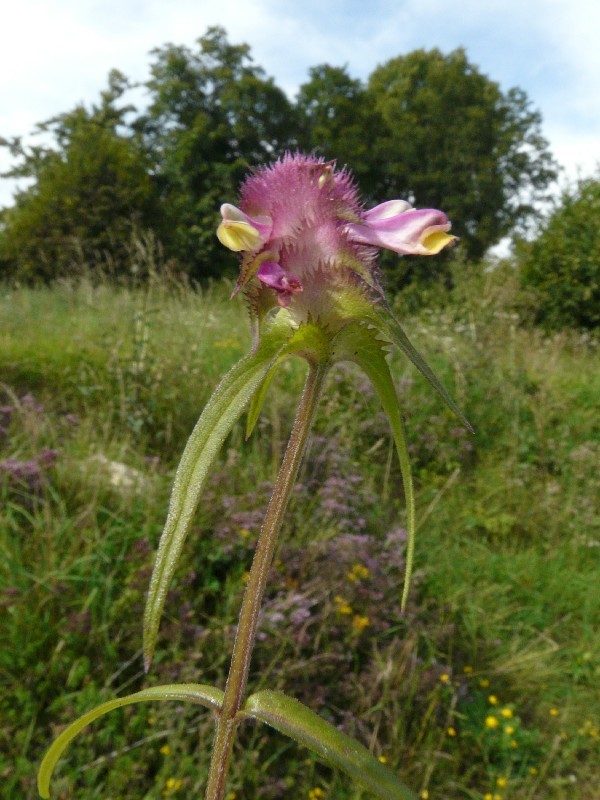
{"points": [[426, 126]]}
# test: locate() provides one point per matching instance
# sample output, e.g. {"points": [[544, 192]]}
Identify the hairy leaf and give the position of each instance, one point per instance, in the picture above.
{"points": [[198, 693], [389, 326], [359, 343], [221, 412], [295, 720]]}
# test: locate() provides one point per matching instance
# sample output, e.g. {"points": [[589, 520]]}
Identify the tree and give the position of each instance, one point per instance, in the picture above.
{"points": [[212, 114], [91, 187], [338, 120], [562, 266], [451, 139]]}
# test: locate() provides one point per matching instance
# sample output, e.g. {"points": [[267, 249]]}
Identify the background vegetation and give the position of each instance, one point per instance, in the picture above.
{"points": [[487, 687]]}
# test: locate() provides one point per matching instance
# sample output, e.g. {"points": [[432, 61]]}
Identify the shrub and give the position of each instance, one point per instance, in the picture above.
{"points": [[562, 266]]}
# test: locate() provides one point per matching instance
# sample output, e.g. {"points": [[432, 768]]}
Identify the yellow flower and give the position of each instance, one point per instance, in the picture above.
{"points": [[358, 572], [491, 722], [514, 744], [342, 606], [484, 683], [231, 796], [509, 730], [501, 782], [244, 533], [554, 712], [493, 700], [468, 670], [445, 677], [507, 713], [165, 750], [451, 731], [171, 786], [359, 623], [488, 796], [532, 770], [316, 793], [424, 795], [383, 759]]}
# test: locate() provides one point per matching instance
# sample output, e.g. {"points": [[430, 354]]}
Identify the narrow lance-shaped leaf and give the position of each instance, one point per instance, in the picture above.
{"points": [[207, 696], [389, 326], [215, 423], [295, 720], [359, 343]]}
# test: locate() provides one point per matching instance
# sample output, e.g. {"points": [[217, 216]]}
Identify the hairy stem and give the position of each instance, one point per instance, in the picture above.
{"points": [[237, 680]]}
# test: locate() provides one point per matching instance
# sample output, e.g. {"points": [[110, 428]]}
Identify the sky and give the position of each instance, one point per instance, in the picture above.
{"points": [[55, 54]]}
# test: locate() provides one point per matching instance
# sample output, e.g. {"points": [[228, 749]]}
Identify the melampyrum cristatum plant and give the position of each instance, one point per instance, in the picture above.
{"points": [[310, 278]]}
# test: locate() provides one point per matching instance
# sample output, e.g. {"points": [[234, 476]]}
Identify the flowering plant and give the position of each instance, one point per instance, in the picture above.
{"points": [[310, 278]]}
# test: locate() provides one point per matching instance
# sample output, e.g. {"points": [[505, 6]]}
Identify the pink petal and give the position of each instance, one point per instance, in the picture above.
{"points": [[403, 232], [286, 284]]}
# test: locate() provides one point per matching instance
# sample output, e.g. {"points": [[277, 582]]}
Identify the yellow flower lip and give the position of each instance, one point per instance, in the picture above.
{"points": [[237, 235], [238, 231], [436, 241]]}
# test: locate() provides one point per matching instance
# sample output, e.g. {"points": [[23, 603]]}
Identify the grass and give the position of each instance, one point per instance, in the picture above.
{"points": [[486, 687]]}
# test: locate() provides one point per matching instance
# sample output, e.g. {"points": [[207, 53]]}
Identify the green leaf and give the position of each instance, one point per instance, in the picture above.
{"points": [[221, 412], [207, 696], [357, 342], [295, 720], [389, 326]]}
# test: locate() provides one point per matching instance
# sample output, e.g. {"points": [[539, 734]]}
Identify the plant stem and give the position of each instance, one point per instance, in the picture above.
{"points": [[237, 680]]}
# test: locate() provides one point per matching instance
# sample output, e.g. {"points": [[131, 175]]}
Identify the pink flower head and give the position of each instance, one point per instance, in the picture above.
{"points": [[308, 244]]}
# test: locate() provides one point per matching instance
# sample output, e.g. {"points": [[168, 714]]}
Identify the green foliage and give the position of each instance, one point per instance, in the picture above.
{"points": [[561, 267], [451, 139], [90, 192], [506, 553]]}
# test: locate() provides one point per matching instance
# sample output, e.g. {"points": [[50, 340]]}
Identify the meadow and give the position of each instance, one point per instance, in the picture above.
{"points": [[484, 689]]}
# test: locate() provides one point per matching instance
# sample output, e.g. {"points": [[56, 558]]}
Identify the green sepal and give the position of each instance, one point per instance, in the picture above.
{"points": [[359, 343], [207, 696], [310, 342], [216, 421], [295, 720], [388, 325]]}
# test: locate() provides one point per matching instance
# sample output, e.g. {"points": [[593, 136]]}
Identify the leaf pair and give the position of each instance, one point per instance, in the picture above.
{"points": [[283, 713]]}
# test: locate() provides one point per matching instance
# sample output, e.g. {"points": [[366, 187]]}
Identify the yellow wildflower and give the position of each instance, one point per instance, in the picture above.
{"points": [[424, 795], [468, 670], [501, 782], [342, 606], [244, 533], [451, 731], [484, 683], [509, 730], [165, 750], [532, 770], [493, 700], [359, 623], [383, 759], [491, 722], [316, 793], [358, 573], [445, 677], [506, 713], [514, 744], [488, 796], [554, 712]]}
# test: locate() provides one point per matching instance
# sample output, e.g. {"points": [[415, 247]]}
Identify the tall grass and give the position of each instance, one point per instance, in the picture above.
{"points": [[100, 387]]}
